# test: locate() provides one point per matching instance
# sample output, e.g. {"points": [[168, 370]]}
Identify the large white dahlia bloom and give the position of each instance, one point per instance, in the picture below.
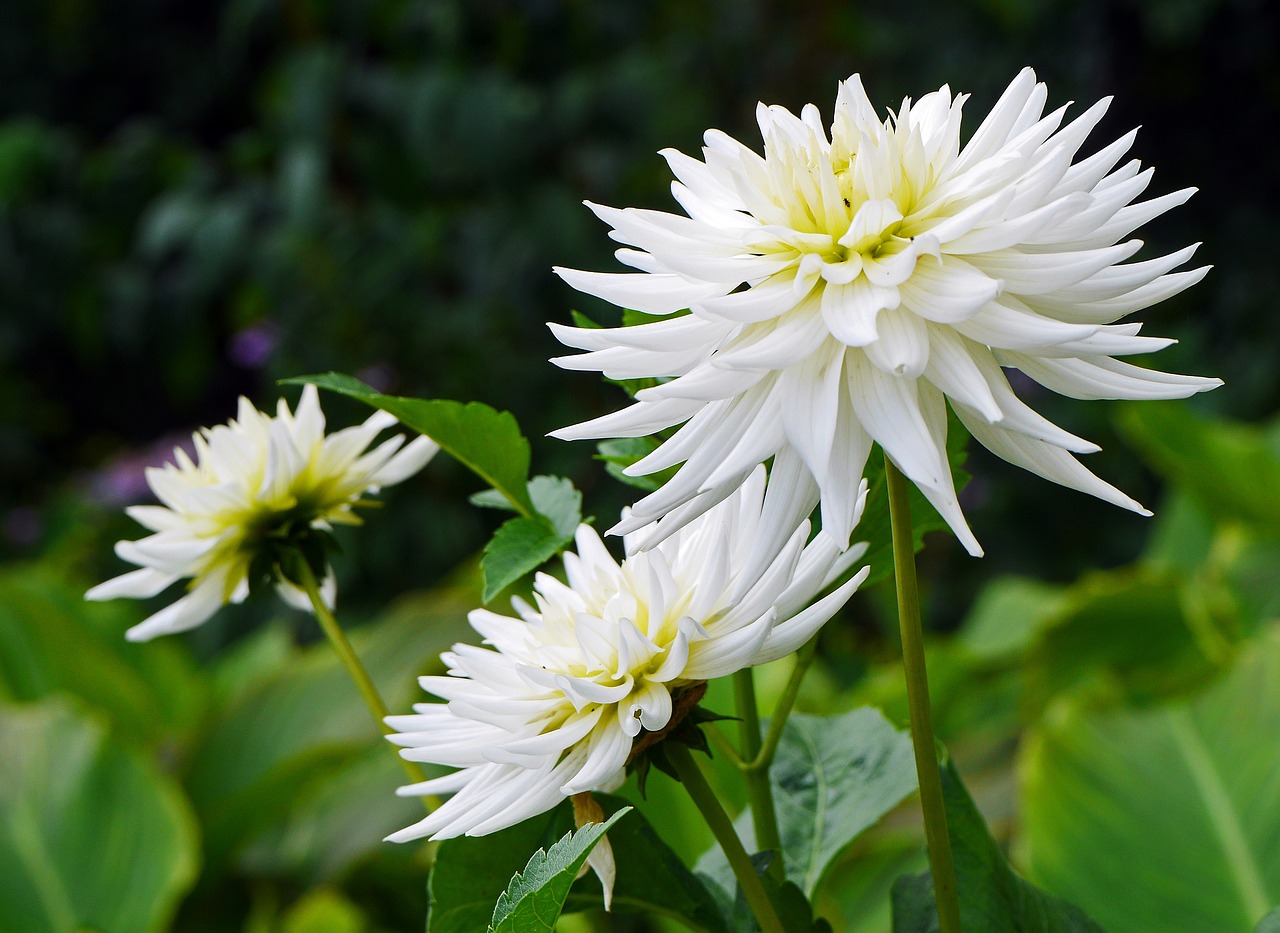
{"points": [[845, 283], [553, 706], [252, 478]]}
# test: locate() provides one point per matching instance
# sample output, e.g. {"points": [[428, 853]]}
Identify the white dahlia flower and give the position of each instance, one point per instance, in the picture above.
{"points": [[845, 283], [256, 481], [553, 706]]}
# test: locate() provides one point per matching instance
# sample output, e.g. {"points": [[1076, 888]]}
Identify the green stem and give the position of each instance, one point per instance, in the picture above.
{"points": [[764, 816], [778, 721], [725, 747], [351, 661], [704, 798], [935, 814]]}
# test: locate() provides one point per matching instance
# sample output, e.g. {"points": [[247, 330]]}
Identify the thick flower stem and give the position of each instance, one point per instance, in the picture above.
{"points": [[704, 798], [351, 661], [764, 816], [778, 721], [935, 814]]}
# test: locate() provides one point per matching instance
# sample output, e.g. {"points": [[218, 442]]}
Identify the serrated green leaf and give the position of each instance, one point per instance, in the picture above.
{"points": [[470, 871], [558, 501], [833, 778], [519, 546], [486, 441], [554, 497], [993, 898], [652, 879], [535, 897], [1180, 802], [92, 836]]}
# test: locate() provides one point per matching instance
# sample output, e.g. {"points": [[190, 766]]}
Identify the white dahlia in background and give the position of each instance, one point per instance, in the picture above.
{"points": [[553, 706], [255, 483], [842, 285]]}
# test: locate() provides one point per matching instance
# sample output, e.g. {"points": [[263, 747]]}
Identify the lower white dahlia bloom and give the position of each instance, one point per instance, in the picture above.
{"points": [[845, 283], [552, 708], [254, 480]]}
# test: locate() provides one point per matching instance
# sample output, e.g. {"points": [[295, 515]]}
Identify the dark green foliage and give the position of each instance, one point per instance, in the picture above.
{"points": [[471, 872], [993, 897]]}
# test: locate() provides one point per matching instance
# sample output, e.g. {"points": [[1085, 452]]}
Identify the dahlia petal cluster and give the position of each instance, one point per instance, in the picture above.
{"points": [[248, 476], [552, 706], [853, 280]]}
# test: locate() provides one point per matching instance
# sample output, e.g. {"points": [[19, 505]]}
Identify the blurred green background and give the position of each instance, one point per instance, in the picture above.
{"points": [[197, 199]]}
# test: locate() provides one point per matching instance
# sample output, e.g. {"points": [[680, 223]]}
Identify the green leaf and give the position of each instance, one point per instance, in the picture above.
{"points": [[1232, 469], [652, 879], [535, 897], [558, 502], [519, 546], [620, 452], [52, 641], [1125, 630], [1008, 616], [271, 750], [324, 910], [555, 498], [833, 778], [486, 441], [92, 836], [332, 819], [1180, 802], [470, 871], [993, 898], [1270, 923]]}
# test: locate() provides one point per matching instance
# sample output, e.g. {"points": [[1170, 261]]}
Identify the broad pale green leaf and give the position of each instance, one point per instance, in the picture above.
{"points": [[52, 641], [92, 836], [519, 546], [1008, 615], [486, 441], [1180, 803], [1128, 628], [335, 818], [1232, 469], [1182, 534], [535, 897], [993, 898], [324, 910], [833, 778], [275, 743]]}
